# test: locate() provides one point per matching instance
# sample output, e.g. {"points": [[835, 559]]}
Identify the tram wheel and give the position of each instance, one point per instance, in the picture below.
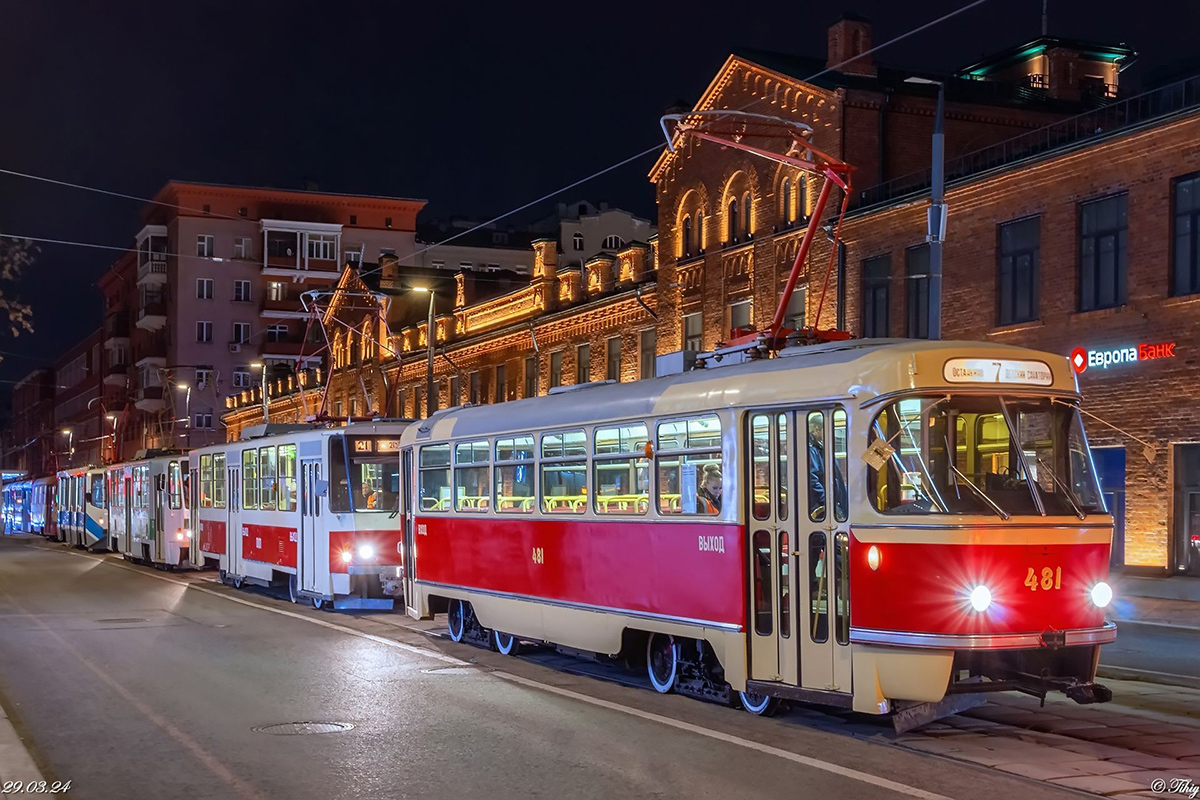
{"points": [[662, 661], [506, 644], [760, 705], [456, 619], [238, 580], [293, 588]]}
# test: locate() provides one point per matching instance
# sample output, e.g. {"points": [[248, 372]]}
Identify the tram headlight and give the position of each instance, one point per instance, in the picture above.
{"points": [[366, 552], [347, 556], [179, 535], [873, 558], [1101, 594], [981, 598]]}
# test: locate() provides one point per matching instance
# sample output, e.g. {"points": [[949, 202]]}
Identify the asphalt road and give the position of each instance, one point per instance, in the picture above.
{"points": [[130, 684], [1154, 648]]}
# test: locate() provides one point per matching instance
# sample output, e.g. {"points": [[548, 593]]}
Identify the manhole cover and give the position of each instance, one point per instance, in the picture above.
{"points": [[300, 728], [123, 619]]}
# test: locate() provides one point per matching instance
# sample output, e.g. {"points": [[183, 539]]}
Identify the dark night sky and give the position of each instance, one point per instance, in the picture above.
{"points": [[476, 107]]}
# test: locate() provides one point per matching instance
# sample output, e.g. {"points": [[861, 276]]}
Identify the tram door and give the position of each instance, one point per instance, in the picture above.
{"points": [[310, 515], [233, 528], [127, 488], [822, 551], [772, 537], [409, 555]]}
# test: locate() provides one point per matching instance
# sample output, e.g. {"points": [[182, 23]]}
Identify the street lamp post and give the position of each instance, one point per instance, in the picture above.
{"points": [[70, 434], [113, 419], [430, 341], [936, 231], [263, 386]]}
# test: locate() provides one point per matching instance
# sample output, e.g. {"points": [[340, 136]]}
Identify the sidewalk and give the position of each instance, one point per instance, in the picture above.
{"points": [[15, 761], [1173, 601]]}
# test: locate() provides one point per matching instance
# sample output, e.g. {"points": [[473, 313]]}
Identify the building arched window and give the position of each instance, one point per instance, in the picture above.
{"points": [[787, 201], [733, 217], [613, 242], [700, 231], [577, 241], [746, 215], [687, 236], [802, 199]]}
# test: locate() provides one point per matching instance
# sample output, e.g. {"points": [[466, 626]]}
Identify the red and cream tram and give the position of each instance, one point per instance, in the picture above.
{"points": [[313, 507], [876, 524]]}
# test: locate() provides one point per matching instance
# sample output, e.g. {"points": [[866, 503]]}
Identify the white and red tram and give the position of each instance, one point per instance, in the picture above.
{"points": [[315, 508], [149, 510], [879, 525]]}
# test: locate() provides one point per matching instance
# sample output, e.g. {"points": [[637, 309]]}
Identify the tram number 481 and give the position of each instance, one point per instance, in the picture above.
{"points": [[539, 555], [1049, 578]]}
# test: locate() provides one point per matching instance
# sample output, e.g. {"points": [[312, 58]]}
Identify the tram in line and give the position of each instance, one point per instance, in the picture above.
{"points": [[311, 508], [875, 524], [80, 510], [17, 505], [41, 510], [149, 510]]}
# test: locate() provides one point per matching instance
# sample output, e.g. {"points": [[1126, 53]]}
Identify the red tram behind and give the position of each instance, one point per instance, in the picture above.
{"points": [[880, 525]]}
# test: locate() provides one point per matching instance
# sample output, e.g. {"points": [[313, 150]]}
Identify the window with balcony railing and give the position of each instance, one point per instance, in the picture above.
{"points": [[322, 247]]}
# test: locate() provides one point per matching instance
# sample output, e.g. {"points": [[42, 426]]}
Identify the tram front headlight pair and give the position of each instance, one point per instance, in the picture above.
{"points": [[1101, 594]]}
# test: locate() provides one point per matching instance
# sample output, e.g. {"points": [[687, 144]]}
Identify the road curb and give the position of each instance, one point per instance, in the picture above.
{"points": [[16, 763], [1171, 626], [1147, 676]]}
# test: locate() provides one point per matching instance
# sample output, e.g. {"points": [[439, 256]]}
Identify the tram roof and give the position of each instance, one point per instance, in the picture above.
{"points": [[858, 368]]}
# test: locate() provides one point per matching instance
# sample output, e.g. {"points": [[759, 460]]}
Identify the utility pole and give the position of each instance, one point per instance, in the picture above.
{"points": [[937, 217], [430, 341]]}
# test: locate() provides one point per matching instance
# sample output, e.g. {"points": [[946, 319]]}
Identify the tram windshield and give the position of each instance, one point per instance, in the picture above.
{"points": [[982, 455], [364, 473]]}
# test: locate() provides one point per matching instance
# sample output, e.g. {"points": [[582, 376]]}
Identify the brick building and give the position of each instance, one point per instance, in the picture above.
{"points": [[82, 432], [29, 440]]}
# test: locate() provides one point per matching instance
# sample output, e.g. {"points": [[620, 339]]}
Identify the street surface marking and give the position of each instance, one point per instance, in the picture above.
{"points": [[728, 738]]}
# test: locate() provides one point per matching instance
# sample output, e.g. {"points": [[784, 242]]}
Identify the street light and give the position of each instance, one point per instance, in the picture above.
{"points": [[263, 365], [430, 339], [70, 443], [937, 209], [187, 421]]}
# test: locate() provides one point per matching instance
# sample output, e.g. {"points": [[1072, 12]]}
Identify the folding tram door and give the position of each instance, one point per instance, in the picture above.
{"points": [[798, 539]]}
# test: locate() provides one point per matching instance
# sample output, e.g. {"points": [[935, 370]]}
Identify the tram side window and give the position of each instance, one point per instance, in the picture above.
{"points": [[435, 477], [564, 472], [760, 464], [218, 478], [174, 489], [206, 481], [266, 478], [98, 495], [840, 463], [471, 491], [185, 482], [249, 479], [689, 466], [816, 465], [515, 492], [287, 477], [620, 470]]}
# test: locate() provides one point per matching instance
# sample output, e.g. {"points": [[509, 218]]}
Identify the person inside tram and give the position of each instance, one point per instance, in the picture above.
{"points": [[710, 489], [370, 496]]}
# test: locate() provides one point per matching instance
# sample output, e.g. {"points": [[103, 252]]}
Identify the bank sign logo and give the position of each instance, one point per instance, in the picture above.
{"points": [[1082, 358]]}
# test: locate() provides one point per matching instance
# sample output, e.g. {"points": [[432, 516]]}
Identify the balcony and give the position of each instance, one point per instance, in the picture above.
{"points": [[152, 316], [150, 398], [153, 272], [283, 309], [116, 375]]}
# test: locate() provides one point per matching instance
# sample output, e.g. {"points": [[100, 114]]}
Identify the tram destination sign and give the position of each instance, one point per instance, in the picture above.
{"points": [[1083, 359], [999, 370]]}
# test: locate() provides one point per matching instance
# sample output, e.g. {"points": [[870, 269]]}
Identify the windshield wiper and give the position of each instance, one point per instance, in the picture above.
{"points": [[980, 493], [1066, 490], [1015, 438]]}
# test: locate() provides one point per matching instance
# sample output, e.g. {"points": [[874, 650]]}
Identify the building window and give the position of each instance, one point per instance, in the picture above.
{"points": [[1185, 260], [876, 281], [418, 402], [501, 388], [277, 332], [204, 245], [241, 291], [337, 408], [686, 250], [648, 345], [204, 421], [203, 378], [241, 332], [794, 314], [613, 242], [556, 361], [354, 219], [693, 332], [612, 359], [387, 222], [455, 390], [204, 288], [786, 189], [474, 389], [583, 363], [1018, 271], [322, 247], [531, 376], [277, 291], [465, 265], [1102, 228], [700, 231], [732, 221], [438, 263], [739, 316], [242, 211], [577, 241], [354, 258], [241, 379], [241, 247], [354, 406], [746, 215], [916, 291], [203, 331]]}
